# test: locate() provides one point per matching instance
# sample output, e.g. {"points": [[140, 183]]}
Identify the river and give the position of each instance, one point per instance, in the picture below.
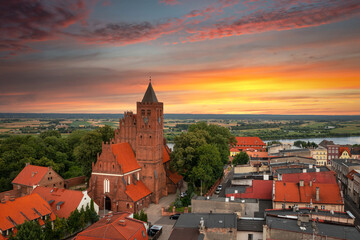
{"points": [[336, 140]]}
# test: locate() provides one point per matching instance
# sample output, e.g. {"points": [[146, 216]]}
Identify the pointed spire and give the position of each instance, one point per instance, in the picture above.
{"points": [[150, 95]]}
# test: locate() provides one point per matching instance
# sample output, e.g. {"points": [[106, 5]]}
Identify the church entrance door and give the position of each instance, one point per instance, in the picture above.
{"points": [[108, 203]]}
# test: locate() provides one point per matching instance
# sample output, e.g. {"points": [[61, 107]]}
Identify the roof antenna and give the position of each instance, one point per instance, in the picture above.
{"points": [[150, 78]]}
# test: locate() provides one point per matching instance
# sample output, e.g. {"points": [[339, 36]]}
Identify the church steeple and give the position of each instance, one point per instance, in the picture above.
{"points": [[150, 95]]}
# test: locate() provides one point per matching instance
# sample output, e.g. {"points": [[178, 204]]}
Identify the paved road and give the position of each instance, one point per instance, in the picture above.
{"points": [[154, 215], [226, 182]]}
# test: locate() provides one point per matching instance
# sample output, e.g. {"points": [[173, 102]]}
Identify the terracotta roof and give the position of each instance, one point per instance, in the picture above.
{"points": [[342, 149], [260, 189], [70, 198], [316, 177], [174, 177], [256, 154], [292, 192], [166, 156], [234, 150], [31, 175], [118, 226], [125, 156], [250, 141], [28, 208], [350, 175], [137, 191]]}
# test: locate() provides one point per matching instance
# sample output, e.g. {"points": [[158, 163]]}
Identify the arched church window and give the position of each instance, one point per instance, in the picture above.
{"points": [[150, 136], [149, 112], [129, 182], [106, 185], [143, 112]]}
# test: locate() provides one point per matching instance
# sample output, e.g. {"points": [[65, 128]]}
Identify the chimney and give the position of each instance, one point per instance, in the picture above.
{"points": [[301, 183], [122, 222], [318, 170], [317, 194], [304, 170], [310, 183]]}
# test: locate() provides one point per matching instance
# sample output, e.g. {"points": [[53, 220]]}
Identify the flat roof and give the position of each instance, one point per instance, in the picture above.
{"points": [[321, 229], [211, 220], [251, 225]]}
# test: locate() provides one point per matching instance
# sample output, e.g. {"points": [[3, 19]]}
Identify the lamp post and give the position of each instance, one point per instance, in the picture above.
{"points": [[104, 204]]}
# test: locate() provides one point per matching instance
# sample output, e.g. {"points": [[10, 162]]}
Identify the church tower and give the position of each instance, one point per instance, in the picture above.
{"points": [[149, 143]]}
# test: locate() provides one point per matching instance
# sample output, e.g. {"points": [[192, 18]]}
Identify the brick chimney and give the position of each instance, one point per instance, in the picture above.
{"points": [[301, 183], [317, 194]]}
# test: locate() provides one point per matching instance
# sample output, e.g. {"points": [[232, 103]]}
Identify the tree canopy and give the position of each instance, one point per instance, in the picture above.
{"points": [[240, 159], [201, 153]]}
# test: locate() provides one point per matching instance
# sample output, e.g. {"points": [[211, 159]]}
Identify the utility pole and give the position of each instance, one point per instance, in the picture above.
{"points": [[201, 188], [104, 204]]}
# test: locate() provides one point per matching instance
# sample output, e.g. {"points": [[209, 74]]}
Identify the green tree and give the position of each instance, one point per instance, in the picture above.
{"points": [[106, 133], [86, 152], [50, 133], [29, 230], [240, 159]]}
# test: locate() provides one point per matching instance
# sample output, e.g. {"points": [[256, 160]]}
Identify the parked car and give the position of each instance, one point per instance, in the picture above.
{"points": [[175, 216], [219, 187], [154, 230], [217, 191]]}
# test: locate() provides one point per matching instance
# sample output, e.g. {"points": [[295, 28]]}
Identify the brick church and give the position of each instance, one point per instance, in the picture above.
{"points": [[133, 168]]}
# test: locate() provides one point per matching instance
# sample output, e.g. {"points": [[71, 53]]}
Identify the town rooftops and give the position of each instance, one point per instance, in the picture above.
{"points": [[186, 233], [250, 224], [291, 212], [234, 150], [319, 177], [211, 220], [293, 192], [337, 231], [351, 174], [137, 191], [260, 189], [300, 170], [174, 176], [255, 154], [117, 226], [150, 96], [249, 141], [62, 201], [31, 175], [125, 157], [16, 211], [343, 149], [347, 162]]}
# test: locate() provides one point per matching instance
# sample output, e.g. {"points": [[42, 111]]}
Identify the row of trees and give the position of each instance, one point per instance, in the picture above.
{"points": [[304, 144], [70, 156], [60, 228], [201, 153]]}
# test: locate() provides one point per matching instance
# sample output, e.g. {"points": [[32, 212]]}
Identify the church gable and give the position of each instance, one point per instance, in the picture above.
{"points": [[125, 157]]}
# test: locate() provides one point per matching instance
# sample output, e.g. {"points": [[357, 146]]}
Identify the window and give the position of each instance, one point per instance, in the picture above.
{"points": [[250, 237], [129, 182], [142, 112], [106, 185], [149, 112], [322, 207], [138, 176]]}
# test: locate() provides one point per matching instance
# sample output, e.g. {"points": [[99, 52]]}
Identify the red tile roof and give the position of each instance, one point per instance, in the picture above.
{"points": [[174, 177], [118, 226], [249, 141], [350, 175], [166, 156], [70, 198], [28, 208], [316, 177], [125, 157], [137, 191], [292, 192], [256, 154], [260, 189], [31, 175], [342, 149]]}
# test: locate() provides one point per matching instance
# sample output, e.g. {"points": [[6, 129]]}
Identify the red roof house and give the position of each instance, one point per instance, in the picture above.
{"points": [[250, 143], [64, 201], [315, 177], [117, 226], [260, 189], [32, 176], [28, 208]]}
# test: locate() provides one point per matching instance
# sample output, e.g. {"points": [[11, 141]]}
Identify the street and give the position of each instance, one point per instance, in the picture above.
{"points": [[350, 206]]}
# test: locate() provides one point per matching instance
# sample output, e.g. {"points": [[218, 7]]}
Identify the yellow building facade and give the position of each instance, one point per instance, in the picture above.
{"points": [[320, 155]]}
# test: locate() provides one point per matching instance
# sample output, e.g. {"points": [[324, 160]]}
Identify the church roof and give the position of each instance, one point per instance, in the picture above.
{"points": [[150, 95], [166, 156], [137, 191], [125, 157], [31, 175]]}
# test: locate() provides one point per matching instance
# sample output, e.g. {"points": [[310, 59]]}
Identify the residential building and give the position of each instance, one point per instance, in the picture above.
{"points": [[332, 152], [325, 143], [256, 189], [119, 225], [302, 152], [355, 153], [32, 176], [344, 153], [307, 194], [275, 148], [320, 155], [14, 212], [257, 155], [250, 228], [342, 167], [303, 227], [318, 177], [356, 196], [64, 201], [251, 167], [250, 143], [293, 159], [234, 151], [209, 226], [132, 169]]}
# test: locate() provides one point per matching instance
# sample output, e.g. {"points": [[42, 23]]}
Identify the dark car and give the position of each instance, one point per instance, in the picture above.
{"points": [[175, 216]]}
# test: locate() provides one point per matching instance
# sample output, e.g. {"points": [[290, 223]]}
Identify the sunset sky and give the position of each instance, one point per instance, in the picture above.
{"points": [[224, 56]]}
